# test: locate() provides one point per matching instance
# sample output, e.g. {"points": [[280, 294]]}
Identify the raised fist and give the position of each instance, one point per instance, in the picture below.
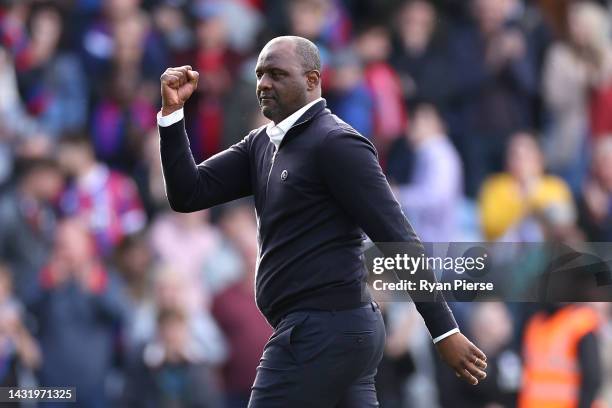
{"points": [[177, 85]]}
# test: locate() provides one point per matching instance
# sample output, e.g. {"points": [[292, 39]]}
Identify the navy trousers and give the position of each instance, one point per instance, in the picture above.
{"points": [[321, 359]]}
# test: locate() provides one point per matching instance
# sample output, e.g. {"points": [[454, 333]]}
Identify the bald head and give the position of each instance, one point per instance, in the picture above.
{"points": [[303, 48], [288, 76]]}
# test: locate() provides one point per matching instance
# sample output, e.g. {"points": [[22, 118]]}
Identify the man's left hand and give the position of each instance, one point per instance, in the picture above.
{"points": [[468, 361]]}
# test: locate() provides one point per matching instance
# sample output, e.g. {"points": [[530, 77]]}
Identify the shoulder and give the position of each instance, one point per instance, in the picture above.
{"points": [[256, 135], [556, 187], [497, 184], [336, 133]]}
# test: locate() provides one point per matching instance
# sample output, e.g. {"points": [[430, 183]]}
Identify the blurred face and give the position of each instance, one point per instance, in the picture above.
{"points": [[346, 77], [490, 14], [374, 45], [577, 29], [129, 34], [121, 8], [524, 159], [211, 33], [168, 18], [73, 243], [136, 261], [46, 29], [425, 124], [73, 158], [308, 17], [283, 85], [417, 22], [48, 183]]}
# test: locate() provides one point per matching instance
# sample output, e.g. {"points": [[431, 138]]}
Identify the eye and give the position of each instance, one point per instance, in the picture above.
{"points": [[258, 74], [277, 74]]}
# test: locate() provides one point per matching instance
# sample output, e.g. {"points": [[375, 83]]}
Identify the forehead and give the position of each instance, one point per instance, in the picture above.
{"points": [[279, 54]]}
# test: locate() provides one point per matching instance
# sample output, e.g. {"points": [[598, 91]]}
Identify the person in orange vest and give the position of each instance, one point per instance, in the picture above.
{"points": [[562, 367]]}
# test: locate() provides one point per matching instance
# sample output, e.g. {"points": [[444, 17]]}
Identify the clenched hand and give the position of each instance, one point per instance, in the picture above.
{"points": [[468, 361], [177, 85]]}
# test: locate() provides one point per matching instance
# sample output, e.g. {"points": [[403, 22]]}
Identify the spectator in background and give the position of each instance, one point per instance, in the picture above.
{"points": [[170, 371], [21, 134], [562, 363], [28, 218], [79, 310], [419, 55], [605, 337], [172, 24], [15, 122], [430, 200], [245, 14], [134, 264], [596, 203], [13, 31], [348, 94], [576, 72], [107, 200], [510, 201], [373, 45], [241, 106], [217, 63], [494, 81], [235, 310], [173, 288], [52, 84], [590, 26], [187, 241], [324, 22], [148, 176], [98, 43], [18, 349], [127, 104]]}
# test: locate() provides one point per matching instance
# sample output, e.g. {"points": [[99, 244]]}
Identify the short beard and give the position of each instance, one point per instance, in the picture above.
{"points": [[271, 113]]}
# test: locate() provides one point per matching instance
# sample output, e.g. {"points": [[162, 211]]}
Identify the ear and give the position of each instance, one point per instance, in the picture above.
{"points": [[313, 79]]}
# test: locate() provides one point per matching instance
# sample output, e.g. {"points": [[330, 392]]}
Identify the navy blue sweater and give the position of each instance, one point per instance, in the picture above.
{"points": [[314, 198]]}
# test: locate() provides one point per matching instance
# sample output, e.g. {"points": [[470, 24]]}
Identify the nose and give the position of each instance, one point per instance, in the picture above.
{"points": [[264, 83]]}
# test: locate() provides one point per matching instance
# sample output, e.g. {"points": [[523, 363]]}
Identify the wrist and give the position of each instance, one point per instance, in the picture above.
{"points": [[167, 110]]}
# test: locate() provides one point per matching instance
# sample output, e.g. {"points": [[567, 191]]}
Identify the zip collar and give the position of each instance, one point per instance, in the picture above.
{"points": [[310, 114]]}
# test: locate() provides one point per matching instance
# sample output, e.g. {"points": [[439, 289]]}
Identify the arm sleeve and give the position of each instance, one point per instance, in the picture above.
{"points": [[189, 187], [590, 368], [350, 167]]}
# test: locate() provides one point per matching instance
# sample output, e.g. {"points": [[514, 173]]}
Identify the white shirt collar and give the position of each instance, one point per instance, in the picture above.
{"points": [[276, 133]]}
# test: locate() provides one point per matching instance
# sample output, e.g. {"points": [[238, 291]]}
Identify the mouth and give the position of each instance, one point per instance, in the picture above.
{"points": [[265, 99]]}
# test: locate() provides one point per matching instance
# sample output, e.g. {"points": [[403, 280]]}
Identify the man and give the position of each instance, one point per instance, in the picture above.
{"points": [[28, 220], [107, 199], [561, 358], [78, 305], [432, 197], [317, 186]]}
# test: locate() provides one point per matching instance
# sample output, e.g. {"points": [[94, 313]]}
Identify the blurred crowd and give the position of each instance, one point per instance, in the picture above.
{"points": [[492, 119]]}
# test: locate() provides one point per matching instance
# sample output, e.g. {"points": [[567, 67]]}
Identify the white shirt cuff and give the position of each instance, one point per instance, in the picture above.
{"points": [[445, 335], [171, 119]]}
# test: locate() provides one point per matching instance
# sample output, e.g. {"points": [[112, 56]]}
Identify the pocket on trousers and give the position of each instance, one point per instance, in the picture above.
{"points": [[309, 338], [285, 338]]}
